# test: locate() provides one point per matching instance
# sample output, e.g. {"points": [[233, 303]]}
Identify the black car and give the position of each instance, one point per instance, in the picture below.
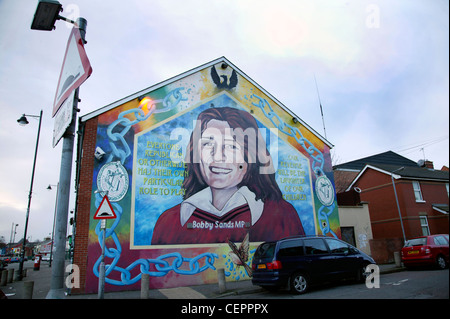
{"points": [[297, 262]]}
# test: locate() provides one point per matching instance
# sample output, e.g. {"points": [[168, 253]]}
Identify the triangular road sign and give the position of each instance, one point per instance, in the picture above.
{"points": [[105, 210], [75, 70]]}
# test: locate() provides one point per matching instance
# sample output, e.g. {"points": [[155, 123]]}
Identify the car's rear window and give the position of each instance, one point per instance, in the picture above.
{"points": [[265, 250], [416, 242]]}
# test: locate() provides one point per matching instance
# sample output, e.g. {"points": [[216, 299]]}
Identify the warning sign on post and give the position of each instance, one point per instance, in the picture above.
{"points": [[76, 68], [105, 210]]}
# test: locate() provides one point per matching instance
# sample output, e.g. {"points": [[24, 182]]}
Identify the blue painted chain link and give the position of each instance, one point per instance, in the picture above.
{"points": [[169, 102], [294, 132], [314, 153]]}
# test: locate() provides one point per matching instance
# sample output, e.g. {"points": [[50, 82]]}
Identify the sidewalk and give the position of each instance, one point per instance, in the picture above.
{"points": [[42, 278]]}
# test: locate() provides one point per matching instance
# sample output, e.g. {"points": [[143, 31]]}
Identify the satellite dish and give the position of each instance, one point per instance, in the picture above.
{"points": [[421, 163]]}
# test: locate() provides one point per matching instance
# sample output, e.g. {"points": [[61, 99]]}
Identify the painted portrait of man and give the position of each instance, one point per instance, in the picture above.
{"points": [[229, 186]]}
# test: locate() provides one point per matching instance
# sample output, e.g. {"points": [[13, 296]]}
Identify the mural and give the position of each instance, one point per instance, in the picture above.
{"points": [[199, 172]]}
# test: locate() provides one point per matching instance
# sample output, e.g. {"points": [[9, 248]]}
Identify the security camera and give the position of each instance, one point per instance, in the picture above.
{"points": [[99, 153]]}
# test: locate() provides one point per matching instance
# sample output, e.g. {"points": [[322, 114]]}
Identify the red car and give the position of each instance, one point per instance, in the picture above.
{"points": [[426, 250]]}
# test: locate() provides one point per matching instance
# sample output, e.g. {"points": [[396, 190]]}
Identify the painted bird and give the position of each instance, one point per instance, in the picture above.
{"points": [[239, 256], [223, 84]]}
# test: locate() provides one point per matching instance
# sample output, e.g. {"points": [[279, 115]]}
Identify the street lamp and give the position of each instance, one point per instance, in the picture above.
{"points": [[47, 12], [396, 199], [11, 237], [54, 219], [23, 121]]}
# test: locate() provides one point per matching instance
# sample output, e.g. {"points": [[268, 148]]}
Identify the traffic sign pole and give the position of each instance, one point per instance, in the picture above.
{"points": [[104, 211], [58, 268], [101, 277]]}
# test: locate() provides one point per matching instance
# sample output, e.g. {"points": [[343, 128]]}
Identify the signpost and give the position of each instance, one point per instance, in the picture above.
{"points": [[75, 70], [68, 84], [104, 212]]}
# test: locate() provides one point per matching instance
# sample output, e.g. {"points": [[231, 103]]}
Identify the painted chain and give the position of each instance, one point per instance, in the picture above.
{"points": [[314, 153], [122, 151]]}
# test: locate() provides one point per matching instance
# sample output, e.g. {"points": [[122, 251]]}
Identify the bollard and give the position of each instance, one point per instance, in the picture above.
{"points": [[221, 280], [10, 275], [3, 277], [397, 259], [28, 289], [145, 282], [16, 275]]}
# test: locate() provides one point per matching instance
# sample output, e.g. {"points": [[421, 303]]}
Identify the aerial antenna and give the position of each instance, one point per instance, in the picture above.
{"points": [[423, 152], [321, 111]]}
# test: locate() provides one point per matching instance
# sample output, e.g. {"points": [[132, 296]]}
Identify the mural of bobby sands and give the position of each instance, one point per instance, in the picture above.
{"points": [[230, 188]]}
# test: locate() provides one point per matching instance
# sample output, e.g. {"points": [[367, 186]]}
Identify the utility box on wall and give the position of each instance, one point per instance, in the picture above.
{"points": [[199, 170]]}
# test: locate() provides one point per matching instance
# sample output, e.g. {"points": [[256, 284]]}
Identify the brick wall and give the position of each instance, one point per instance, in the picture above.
{"points": [[84, 200]]}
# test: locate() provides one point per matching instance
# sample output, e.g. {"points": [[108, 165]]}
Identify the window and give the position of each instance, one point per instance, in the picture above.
{"points": [[424, 225], [315, 246], [336, 246], [266, 250], [416, 242], [417, 191], [291, 248], [440, 241]]}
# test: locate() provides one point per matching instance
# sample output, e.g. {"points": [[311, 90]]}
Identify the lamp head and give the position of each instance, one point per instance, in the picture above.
{"points": [[47, 12], [23, 120]]}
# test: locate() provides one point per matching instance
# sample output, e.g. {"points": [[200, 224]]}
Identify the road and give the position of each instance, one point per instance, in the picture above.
{"points": [[415, 284]]}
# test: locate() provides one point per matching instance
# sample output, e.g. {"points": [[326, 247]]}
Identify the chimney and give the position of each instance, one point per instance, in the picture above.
{"points": [[429, 164]]}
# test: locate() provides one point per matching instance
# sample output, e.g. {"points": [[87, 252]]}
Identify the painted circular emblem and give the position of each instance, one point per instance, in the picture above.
{"points": [[113, 180], [324, 190]]}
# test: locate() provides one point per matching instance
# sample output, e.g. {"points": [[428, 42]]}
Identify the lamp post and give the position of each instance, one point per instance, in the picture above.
{"points": [[11, 237], [54, 219], [23, 121], [47, 12], [398, 205]]}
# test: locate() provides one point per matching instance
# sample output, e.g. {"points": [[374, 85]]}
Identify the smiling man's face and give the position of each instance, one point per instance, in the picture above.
{"points": [[221, 158]]}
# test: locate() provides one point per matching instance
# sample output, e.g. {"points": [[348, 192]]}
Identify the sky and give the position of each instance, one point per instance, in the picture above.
{"points": [[381, 68]]}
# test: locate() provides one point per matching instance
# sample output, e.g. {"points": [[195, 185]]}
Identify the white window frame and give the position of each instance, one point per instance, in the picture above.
{"points": [[417, 192], [424, 225]]}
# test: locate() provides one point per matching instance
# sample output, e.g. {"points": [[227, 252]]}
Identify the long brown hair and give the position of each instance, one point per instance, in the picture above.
{"points": [[259, 181]]}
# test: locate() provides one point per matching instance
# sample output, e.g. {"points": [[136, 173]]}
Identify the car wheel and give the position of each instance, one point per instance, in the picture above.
{"points": [[440, 262], [299, 283]]}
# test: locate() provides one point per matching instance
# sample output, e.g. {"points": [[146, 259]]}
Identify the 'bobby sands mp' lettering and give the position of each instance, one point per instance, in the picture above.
{"points": [[216, 225]]}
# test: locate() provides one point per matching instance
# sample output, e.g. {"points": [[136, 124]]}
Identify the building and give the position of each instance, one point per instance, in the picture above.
{"points": [[198, 170], [354, 218], [405, 200]]}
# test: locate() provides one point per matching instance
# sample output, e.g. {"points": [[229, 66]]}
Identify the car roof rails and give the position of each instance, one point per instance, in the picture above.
{"points": [[301, 236]]}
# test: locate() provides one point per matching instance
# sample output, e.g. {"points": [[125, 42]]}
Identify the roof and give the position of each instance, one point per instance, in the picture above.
{"points": [[405, 172], [388, 157], [113, 105], [442, 208]]}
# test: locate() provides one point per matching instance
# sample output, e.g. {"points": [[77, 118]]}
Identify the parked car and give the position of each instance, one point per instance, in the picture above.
{"points": [[426, 250], [298, 262], [46, 257], [6, 259], [14, 259]]}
